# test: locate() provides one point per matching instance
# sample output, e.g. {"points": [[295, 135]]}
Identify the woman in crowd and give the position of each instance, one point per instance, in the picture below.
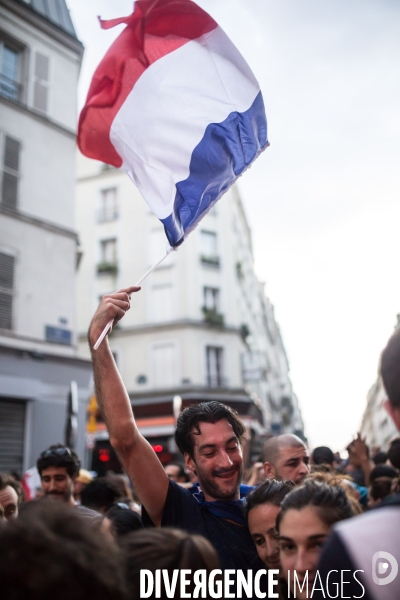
{"points": [[380, 488], [262, 508], [304, 521], [120, 520], [343, 481]]}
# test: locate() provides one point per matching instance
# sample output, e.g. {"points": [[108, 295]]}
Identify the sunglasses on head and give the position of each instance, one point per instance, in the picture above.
{"points": [[56, 451]]}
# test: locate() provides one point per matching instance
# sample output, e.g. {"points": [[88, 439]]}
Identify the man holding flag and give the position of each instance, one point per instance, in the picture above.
{"points": [[208, 434]]}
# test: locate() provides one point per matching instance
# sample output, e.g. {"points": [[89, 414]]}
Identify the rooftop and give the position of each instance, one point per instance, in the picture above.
{"points": [[55, 11]]}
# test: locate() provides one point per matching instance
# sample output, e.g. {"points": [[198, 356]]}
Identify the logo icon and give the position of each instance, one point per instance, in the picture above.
{"points": [[384, 567]]}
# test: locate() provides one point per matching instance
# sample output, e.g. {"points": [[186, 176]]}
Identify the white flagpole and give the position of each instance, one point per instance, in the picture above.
{"points": [[109, 325]]}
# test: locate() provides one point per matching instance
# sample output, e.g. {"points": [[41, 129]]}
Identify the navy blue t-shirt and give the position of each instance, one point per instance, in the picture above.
{"points": [[233, 542]]}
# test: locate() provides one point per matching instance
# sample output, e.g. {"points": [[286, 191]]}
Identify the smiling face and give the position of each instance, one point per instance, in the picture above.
{"points": [[218, 460], [56, 483], [301, 536], [261, 521]]}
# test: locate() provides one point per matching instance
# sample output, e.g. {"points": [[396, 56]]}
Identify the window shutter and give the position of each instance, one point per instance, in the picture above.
{"points": [[41, 82], [164, 365], [6, 290], [9, 191], [12, 429]]}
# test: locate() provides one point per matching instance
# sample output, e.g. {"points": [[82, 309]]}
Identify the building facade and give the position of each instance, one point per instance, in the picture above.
{"points": [[200, 329], [376, 426], [40, 59]]}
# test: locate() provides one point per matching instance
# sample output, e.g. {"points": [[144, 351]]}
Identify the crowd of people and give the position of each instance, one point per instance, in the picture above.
{"points": [[322, 526]]}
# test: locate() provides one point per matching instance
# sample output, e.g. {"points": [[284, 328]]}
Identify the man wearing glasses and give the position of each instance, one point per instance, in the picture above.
{"points": [[58, 468]]}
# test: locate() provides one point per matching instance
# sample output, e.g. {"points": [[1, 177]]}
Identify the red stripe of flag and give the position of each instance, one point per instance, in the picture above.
{"points": [[156, 28]]}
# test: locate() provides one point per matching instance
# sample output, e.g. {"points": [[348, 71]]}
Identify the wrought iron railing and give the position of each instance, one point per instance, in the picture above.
{"points": [[10, 89]]}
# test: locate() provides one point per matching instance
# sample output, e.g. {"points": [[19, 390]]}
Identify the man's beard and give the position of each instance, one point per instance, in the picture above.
{"points": [[211, 487], [64, 496]]}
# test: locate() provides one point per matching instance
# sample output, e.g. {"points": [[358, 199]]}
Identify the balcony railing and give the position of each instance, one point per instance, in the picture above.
{"points": [[107, 214], [213, 261], [212, 317], [216, 381], [10, 89], [108, 268]]}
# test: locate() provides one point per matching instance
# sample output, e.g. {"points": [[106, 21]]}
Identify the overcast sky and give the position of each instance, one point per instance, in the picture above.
{"points": [[322, 201]]}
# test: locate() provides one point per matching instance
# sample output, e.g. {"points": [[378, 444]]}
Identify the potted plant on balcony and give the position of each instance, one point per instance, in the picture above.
{"points": [[212, 317], [106, 267]]}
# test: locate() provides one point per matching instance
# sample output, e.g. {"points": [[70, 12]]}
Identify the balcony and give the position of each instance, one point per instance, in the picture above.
{"points": [[212, 261], [106, 268], [10, 89], [212, 317], [244, 331]]}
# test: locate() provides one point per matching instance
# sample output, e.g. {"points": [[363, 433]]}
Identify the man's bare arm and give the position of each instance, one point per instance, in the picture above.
{"points": [[138, 458]]}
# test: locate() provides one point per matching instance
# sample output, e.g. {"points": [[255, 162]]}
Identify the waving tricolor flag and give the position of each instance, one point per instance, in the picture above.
{"points": [[176, 106]]}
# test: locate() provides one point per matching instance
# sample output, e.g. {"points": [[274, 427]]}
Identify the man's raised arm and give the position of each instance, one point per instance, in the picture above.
{"points": [[138, 458]]}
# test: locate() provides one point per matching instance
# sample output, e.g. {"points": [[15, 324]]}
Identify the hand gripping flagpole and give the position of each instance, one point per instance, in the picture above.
{"points": [[109, 325]]}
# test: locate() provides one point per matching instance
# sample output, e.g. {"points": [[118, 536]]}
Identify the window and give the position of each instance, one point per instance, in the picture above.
{"points": [[164, 365], [109, 251], [209, 250], [41, 82], [211, 307], [108, 257], [10, 172], [214, 357], [211, 299], [6, 290], [10, 59], [209, 243], [108, 205], [161, 306]]}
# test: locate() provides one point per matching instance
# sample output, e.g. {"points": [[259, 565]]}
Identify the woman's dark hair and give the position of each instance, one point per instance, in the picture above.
{"points": [[380, 458], [204, 412], [100, 494], [322, 455], [164, 548], [382, 471], [124, 519], [269, 492], [330, 501], [381, 487], [58, 455], [120, 483]]}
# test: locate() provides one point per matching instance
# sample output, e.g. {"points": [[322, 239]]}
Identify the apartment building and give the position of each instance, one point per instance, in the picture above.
{"points": [[40, 58]]}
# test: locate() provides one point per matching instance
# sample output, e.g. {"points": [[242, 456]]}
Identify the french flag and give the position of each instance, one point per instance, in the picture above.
{"points": [[174, 104]]}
